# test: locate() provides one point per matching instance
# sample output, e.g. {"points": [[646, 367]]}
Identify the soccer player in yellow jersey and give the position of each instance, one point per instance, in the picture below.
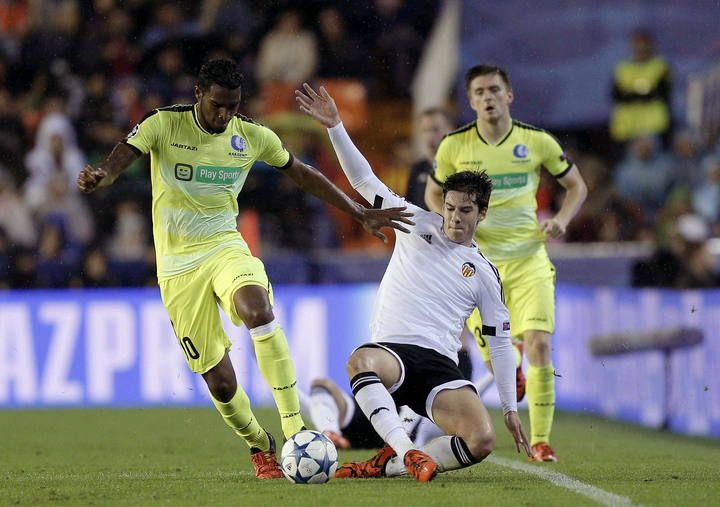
{"points": [[200, 157], [512, 153]]}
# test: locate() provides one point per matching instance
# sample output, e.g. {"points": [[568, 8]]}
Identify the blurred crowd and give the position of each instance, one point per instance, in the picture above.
{"points": [[75, 76]]}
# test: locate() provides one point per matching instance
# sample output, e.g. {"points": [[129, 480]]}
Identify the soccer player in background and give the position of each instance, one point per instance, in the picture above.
{"points": [[337, 414], [512, 154], [436, 277], [201, 155]]}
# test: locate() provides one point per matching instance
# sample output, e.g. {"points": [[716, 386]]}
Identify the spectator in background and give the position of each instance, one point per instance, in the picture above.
{"points": [[288, 53], [166, 77], [15, 216], [56, 263], [644, 176], [170, 25], [55, 152], [432, 125], [706, 194], [65, 207], [641, 93], [685, 262], [12, 135], [94, 273], [685, 160], [341, 53]]}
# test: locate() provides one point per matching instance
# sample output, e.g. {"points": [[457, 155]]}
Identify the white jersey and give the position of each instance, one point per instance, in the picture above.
{"points": [[432, 284]]}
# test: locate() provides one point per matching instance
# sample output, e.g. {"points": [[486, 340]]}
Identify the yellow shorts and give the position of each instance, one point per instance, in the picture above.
{"points": [[192, 299], [529, 286]]}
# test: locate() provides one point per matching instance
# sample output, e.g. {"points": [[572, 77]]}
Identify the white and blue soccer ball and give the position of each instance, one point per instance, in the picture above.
{"points": [[309, 457]]}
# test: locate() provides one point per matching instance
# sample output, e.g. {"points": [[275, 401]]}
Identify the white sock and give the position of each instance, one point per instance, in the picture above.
{"points": [[380, 409], [449, 452], [324, 411], [484, 383], [426, 431], [410, 420]]}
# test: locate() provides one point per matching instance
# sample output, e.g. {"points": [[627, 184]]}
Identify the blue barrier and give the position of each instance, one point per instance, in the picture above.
{"points": [[117, 348]]}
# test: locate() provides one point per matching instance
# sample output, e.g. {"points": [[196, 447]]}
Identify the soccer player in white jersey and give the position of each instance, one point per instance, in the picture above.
{"points": [[436, 277], [200, 156]]}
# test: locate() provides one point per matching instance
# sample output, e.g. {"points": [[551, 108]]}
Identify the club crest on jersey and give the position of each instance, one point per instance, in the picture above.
{"points": [[237, 143], [468, 269], [520, 151]]}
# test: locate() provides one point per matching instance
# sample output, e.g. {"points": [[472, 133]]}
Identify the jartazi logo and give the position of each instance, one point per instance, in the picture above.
{"points": [[184, 146]]}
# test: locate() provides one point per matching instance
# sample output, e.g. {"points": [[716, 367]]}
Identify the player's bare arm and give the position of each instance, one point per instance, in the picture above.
{"points": [[313, 181], [576, 192], [90, 178]]}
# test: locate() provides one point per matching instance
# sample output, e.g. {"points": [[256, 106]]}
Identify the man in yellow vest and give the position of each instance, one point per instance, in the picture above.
{"points": [[641, 93]]}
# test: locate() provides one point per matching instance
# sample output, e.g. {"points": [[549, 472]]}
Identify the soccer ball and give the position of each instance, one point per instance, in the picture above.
{"points": [[308, 457]]}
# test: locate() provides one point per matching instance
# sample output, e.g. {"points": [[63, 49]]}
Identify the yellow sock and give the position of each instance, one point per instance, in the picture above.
{"points": [[239, 416], [541, 402], [273, 357]]}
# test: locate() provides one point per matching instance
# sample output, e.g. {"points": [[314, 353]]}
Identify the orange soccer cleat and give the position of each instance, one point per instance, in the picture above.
{"points": [[265, 462], [337, 439], [420, 465], [372, 468], [543, 452]]}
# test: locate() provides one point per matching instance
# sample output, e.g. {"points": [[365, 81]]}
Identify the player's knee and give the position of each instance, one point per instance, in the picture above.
{"points": [[360, 361], [539, 349], [257, 316], [480, 444], [223, 388]]}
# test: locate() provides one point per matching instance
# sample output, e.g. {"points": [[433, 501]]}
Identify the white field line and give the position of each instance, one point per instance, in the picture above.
{"points": [[563, 481]]}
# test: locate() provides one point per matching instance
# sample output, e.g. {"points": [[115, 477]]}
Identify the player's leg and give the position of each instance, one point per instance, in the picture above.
{"points": [[534, 307], [328, 408], [190, 303], [541, 393], [376, 371], [372, 372], [468, 432], [253, 306], [245, 294]]}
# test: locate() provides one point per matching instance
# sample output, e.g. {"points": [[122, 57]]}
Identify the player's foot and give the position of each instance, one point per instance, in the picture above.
{"points": [[543, 452], [265, 462], [337, 439], [520, 376], [372, 468], [420, 465]]}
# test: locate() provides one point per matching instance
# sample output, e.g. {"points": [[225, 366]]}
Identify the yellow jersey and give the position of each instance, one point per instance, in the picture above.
{"points": [[196, 177], [511, 229]]}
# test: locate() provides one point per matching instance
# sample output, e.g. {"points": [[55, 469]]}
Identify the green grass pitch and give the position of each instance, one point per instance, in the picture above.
{"points": [[188, 457]]}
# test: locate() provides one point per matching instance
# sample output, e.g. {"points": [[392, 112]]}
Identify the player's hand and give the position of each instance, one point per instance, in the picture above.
{"points": [[319, 106], [89, 179], [553, 227], [375, 219], [512, 422]]}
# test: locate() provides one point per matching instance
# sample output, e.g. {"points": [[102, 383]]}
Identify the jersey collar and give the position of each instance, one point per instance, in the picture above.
{"points": [[197, 121], [512, 126]]}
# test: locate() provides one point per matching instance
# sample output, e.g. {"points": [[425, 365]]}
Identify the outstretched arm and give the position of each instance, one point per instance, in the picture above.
{"points": [[321, 106], [313, 181], [108, 170]]}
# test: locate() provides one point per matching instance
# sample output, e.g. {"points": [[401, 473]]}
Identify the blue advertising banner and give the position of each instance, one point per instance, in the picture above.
{"points": [[561, 55], [117, 348]]}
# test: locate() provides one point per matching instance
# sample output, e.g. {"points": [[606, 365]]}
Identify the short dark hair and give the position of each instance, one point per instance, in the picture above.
{"points": [[483, 70], [478, 184], [222, 72]]}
